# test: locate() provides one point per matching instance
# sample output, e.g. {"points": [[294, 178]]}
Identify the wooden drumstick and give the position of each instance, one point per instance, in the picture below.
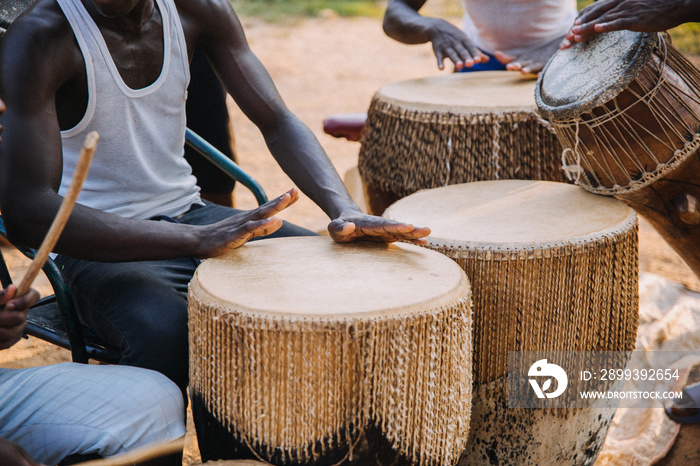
{"points": [[140, 455], [64, 211]]}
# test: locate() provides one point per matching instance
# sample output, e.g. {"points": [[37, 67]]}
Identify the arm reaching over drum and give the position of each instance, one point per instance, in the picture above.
{"points": [[635, 15], [371, 228], [403, 23]]}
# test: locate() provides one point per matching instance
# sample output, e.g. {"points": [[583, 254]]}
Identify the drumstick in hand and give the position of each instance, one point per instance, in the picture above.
{"points": [[64, 211]]}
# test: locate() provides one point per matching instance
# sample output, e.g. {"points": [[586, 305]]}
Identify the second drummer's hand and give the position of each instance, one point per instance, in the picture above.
{"points": [[235, 231], [359, 226], [635, 15]]}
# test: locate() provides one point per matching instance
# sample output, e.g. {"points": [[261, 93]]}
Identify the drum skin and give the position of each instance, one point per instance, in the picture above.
{"points": [[451, 129], [553, 268]]}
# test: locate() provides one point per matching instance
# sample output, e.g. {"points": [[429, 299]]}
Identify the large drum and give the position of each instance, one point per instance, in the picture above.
{"points": [[553, 268], [313, 352], [626, 107], [451, 129]]}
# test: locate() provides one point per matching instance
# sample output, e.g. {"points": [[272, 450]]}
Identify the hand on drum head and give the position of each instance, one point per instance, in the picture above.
{"points": [[235, 231], [371, 228], [450, 42], [635, 15], [532, 61]]}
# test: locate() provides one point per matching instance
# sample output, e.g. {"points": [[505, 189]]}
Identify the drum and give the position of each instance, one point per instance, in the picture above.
{"points": [[313, 352], [451, 129], [10, 10], [553, 268], [626, 107]]}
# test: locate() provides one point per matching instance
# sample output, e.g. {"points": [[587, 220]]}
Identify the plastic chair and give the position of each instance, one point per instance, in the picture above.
{"points": [[55, 319]]}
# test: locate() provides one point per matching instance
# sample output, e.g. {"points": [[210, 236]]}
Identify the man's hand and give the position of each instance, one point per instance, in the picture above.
{"points": [[531, 62], [13, 317], [450, 42], [635, 15], [358, 226], [235, 231], [12, 454]]}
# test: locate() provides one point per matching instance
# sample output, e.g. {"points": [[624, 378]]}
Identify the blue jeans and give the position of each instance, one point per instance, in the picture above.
{"points": [[141, 307], [492, 65]]}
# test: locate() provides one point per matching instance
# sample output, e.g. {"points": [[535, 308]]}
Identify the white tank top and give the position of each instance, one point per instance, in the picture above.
{"points": [[138, 170], [515, 26]]}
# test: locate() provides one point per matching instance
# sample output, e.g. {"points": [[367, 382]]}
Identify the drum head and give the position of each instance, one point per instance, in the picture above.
{"points": [[317, 277], [590, 73], [511, 214], [10, 10], [483, 92]]}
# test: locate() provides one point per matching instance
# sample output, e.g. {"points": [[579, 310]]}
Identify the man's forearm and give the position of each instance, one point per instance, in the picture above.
{"points": [[302, 158], [403, 23]]}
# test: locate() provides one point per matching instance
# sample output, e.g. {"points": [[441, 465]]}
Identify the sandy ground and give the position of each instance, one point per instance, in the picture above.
{"points": [[321, 67]]}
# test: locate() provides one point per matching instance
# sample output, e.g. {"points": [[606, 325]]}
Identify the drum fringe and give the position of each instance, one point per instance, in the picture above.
{"points": [[334, 378], [405, 150]]}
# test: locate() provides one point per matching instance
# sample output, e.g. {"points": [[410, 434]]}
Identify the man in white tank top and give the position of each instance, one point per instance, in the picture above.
{"points": [[134, 239], [519, 35]]}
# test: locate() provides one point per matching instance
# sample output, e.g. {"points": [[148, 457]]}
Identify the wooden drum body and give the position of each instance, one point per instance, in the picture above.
{"points": [[626, 107], [553, 268], [451, 129], [307, 351]]}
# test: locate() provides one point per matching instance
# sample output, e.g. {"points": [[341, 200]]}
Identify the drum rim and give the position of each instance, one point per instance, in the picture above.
{"points": [[571, 111], [526, 249], [460, 292]]}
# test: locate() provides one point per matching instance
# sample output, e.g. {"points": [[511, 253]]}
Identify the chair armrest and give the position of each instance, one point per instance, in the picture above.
{"points": [[224, 163]]}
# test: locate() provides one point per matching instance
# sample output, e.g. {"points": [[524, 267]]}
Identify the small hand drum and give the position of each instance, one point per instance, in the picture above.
{"points": [[626, 107]]}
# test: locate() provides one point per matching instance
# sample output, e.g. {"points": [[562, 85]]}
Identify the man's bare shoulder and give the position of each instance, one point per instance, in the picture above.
{"points": [[41, 42], [206, 16]]}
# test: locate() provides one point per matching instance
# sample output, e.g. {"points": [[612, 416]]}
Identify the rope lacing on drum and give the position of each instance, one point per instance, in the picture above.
{"points": [[616, 132]]}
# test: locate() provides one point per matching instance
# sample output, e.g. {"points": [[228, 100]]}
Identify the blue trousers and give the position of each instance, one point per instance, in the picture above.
{"points": [[141, 307]]}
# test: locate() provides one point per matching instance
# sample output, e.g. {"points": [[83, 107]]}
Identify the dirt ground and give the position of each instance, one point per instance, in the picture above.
{"points": [[321, 67]]}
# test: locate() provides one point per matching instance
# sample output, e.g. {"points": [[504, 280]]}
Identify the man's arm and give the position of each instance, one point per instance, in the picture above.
{"points": [[635, 15], [403, 23], [293, 145], [39, 57]]}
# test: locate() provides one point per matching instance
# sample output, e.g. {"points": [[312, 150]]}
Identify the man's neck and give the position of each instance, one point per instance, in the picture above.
{"points": [[125, 16]]}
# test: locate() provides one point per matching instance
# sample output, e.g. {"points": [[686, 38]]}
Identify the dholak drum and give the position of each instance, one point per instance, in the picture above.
{"points": [[553, 268], [451, 129], [626, 107], [10, 10], [312, 352]]}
